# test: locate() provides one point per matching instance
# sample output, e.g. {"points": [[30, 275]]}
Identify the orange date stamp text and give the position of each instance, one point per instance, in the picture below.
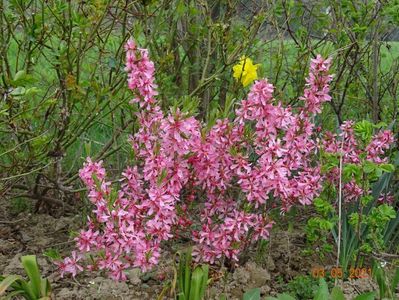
{"points": [[339, 273]]}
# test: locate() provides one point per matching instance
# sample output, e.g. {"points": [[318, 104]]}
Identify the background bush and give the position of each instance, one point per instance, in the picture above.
{"points": [[63, 92]]}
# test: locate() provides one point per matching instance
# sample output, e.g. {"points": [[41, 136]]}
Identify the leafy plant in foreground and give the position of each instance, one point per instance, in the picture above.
{"points": [[253, 294], [36, 288], [302, 287], [323, 293], [192, 284], [387, 283]]}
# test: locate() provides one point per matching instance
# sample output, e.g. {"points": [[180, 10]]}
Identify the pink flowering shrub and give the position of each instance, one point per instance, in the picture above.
{"points": [[214, 186]]}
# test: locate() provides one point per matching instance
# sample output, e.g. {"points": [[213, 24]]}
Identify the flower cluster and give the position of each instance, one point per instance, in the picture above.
{"points": [[214, 185]]}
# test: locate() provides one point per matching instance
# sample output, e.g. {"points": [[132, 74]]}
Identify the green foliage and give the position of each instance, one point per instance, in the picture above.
{"points": [[281, 297], [53, 254], [192, 283], [337, 294], [63, 88], [261, 251], [19, 205], [387, 280], [36, 288], [364, 131], [322, 293], [318, 228], [302, 287]]}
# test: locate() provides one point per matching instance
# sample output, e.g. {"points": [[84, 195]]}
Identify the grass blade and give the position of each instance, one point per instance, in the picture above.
{"points": [[7, 282], [12, 294], [395, 281], [204, 283], [187, 272]]}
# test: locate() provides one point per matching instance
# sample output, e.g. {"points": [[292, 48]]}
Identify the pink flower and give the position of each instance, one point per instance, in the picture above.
{"points": [[86, 240], [70, 264]]}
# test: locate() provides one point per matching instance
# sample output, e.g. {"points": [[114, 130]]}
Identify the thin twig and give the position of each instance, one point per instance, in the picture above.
{"points": [[13, 222], [339, 206]]}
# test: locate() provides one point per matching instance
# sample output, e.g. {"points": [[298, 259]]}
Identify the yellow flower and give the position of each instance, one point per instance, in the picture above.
{"points": [[245, 71]]}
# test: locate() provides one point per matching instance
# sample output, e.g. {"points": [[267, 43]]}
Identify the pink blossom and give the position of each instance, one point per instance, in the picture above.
{"points": [[70, 264]]}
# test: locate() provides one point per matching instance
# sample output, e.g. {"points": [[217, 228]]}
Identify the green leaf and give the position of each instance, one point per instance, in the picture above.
{"points": [[322, 206], [366, 199], [395, 280], [364, 130], [18, 91], [322, 293], [369, 166], [32, 91], [354, 219], [204, 283], [280, 297], [52, 253], [380, 125], [381, 185], [19, 76], [253, 294], [28, 290], [45, 288], [196, 284], [387, 168], [337, 294], [12, 294], [366, 296], [7, 282], [112, 62], [31, 267], [387, 211], [187, 272], [350, 170]]}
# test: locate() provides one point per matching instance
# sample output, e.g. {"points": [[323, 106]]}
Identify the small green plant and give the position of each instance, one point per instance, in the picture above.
{"points": [[192, 284], [19, 205], [387, 282], [281, 297], [36, 288], [323, 293], [261, 251], [303, 287], [52, 254]]}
